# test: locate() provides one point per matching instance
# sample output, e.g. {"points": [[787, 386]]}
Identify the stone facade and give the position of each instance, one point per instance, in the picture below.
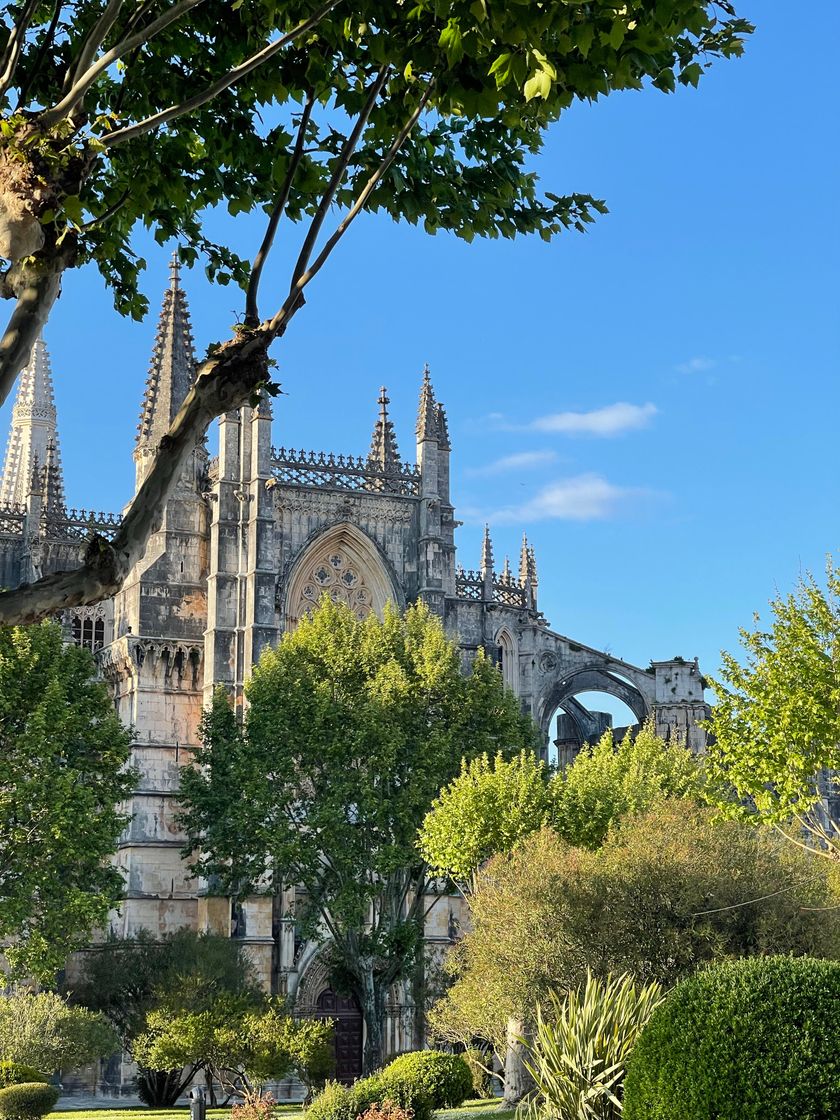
{"points": [[248, 542]]}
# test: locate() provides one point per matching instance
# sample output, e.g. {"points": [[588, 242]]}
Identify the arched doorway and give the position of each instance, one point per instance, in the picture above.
{"points": [[347, 1017]]}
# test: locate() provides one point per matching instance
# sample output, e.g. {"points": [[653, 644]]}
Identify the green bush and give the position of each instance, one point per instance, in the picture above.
{"points": [[752, 1039], [15, 1073], [28, 1101], [443, 1080], [342, 1102], [479, 1061]]}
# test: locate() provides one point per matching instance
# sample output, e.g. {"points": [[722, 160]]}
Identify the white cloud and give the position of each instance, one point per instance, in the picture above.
{"points": [[609, 421], [696, 365], [584, 497], [522, 460]]}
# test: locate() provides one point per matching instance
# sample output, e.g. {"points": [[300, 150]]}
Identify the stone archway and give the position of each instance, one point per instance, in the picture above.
{"points": [[345, 564], [561, 694]]}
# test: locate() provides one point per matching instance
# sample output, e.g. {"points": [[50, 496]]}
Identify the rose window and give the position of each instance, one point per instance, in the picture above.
{"points": [[339, 577]]}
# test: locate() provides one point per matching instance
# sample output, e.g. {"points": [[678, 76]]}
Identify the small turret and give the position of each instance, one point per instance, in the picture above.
{"points": [[384, 454]]}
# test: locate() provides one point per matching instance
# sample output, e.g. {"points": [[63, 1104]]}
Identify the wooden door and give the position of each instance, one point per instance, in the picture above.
{"points": [[347, 1017]]}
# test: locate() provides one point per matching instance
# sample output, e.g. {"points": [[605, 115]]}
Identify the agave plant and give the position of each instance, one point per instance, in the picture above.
{"points": [[580, 1048]]}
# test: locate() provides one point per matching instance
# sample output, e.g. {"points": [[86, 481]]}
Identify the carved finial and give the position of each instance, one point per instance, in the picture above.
{"points": [[384, 455], [524, 562], [486, 554], [506, 571], [174, 271], [427, 424]]}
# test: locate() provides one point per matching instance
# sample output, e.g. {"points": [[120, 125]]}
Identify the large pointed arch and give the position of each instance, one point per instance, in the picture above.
{"points": [[345, 564]]}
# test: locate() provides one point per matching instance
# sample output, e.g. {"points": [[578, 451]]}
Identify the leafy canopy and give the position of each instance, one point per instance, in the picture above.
{"points": [[668, 891], [63, 774], [776, 723], [43, 1031]]}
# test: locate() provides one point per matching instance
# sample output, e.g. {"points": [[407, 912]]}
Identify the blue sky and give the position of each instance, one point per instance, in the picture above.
{"points": [[656, 402]]}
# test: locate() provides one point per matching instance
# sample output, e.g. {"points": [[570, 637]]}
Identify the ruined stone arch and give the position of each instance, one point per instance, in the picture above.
{"points": [[345, 564], [562, 691]]}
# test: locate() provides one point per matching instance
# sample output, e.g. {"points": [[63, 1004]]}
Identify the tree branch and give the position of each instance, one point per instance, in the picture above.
{"points": [[252, 314], [80, 87], [225, 381], [96, 37], [294, 299], [230, 79], [337, 176], [37, 288], [49, 35], [11, 55]]}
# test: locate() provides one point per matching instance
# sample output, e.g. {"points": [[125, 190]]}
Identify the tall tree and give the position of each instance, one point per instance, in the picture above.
{"points": [[352, 727], [63, 774], [428, 113], [776, 722]]}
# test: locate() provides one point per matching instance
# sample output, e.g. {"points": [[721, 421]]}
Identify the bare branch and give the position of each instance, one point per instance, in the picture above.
{"points": [[37, 289], [294, 299], [14, 46], [80, 87], [337, 176], [230, 79], [224, 381], [96, 37], [252, 314]]}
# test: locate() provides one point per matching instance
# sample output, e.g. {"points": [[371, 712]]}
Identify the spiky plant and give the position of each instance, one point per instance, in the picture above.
{"points": [[579, 1052]]}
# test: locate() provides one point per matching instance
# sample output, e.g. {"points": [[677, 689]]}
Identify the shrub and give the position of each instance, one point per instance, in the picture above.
{"points": [[342, 1102], [579, 1053], [752, 1039], [261, 1108], [15, 1073], [443, 1079], [387, 1111], [27, 1101], [478, 1061]]}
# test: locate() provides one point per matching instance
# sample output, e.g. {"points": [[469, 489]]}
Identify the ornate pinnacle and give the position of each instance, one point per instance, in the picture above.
{"points": [[53, 484], [487, 554], [173, 363], [532, 566], [524, 562], [442, 429], [427, 421], [506, 571], [384, 454]]}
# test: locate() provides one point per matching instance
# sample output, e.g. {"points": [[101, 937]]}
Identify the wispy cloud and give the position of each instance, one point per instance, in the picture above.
{"points": [[584, 497], [612, 420], [522, 460], [696, 365]]}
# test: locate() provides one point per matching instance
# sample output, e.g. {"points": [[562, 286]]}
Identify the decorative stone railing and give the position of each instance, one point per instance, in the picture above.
{"points": [[342, 472], [470, 585], [82, 523], [11, 520]]}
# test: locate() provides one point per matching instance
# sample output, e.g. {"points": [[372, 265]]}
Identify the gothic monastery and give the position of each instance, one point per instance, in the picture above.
{"points": [[249, 542]]}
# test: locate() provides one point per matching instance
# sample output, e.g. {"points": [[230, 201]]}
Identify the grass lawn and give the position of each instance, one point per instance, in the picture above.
{"points": [[470, 1110]]}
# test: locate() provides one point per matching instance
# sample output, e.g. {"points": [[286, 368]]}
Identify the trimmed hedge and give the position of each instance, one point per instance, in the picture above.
{"points": [[422, 1081], [755, 1039], [446, 1079], [14, 1073], [27, 1101]]}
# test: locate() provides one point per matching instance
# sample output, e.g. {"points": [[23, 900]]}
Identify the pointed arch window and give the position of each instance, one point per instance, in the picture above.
{"points": [[508, 661]]}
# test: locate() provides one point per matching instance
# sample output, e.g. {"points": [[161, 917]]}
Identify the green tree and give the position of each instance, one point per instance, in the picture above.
{"points": [[352, 728], [428, 113], [128, 979], [63, 774], [776, 723], [609, 781], [667, 892], [43, 1031], [485, 810]]}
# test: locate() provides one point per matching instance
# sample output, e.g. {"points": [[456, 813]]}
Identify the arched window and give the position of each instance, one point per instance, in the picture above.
{"points": [[508, 659]]}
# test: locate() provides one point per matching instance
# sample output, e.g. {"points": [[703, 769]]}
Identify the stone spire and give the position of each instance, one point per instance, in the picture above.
{"points": [[524, 561], [506, 577], [384, 454], [173, 364], [32, 430], [486, 553], [427, 413], [52, 486], [532, 566], [442, 429]]}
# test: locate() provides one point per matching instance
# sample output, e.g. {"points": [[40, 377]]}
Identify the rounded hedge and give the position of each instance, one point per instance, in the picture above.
{"points": [[347, 1102], [755, 1039], [14, 1073], [445, 1079], [27, 1101]]}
